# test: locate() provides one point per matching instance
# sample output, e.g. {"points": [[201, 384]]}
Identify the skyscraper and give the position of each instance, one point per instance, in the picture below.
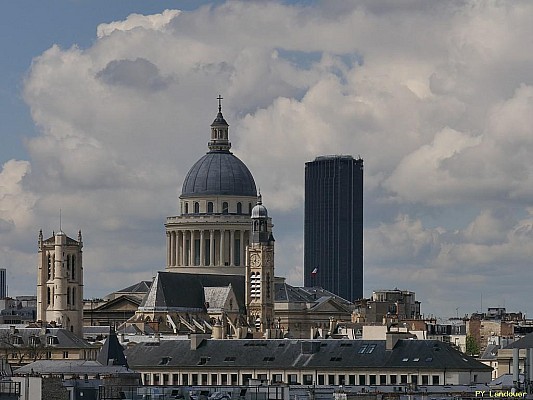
{"points": [[333, 235]]}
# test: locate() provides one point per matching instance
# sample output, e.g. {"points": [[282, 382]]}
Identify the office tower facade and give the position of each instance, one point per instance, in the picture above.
{"points": [[333, 232], [3, 283]]}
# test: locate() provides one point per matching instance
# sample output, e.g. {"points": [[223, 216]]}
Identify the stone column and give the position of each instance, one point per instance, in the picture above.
{"points": [[184, 248], [192, 255], [169, 248], [232, 247], [222, 233], [202, 248], [241, 247], [211, 247]]}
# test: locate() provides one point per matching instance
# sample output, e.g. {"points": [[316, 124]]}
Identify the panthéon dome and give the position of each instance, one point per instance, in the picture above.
{"points": [[219, 172]]}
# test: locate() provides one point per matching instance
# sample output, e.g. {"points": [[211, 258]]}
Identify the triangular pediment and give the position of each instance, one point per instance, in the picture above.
{"points": [[121, 303]]}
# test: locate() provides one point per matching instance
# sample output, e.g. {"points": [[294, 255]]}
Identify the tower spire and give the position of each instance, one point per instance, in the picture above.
{"points": [[219, 131]]}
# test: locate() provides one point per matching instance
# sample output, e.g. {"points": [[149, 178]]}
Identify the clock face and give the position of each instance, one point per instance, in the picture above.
{"points": [[255, 260]]}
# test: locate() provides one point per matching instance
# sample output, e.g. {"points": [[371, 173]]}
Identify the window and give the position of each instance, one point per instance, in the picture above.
{"points": [[278, 378], [210, 207], [308, 379], [225, 208], [414, 379], [371, 348], [146, 379], [234, 379], [342, 379], [65, 354], [194, 379], [184, 379], [435, 380], [403, 378], [73, 296], [393, 379], [371, 379], [49, 267], [362, 349], [293, 379], [73, 259], [204, 379], [246, 379], [165, 379], [362, 380], [214, 379], [223, 379], [321, 379], [383, 379], [175, 379], [425, 380], [249, 208], [239, 208], [48, 296], [68, 296], [196, 207], [186, 208]]}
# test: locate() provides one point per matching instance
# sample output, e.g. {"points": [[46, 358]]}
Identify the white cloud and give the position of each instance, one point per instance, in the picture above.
{"points": [[155, 22]]}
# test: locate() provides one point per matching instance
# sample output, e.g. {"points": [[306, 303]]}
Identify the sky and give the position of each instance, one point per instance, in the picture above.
{"points": [[105, 105]]}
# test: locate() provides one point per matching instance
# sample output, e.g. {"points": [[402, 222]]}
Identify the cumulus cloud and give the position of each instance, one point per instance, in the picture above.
{"points": [[435, 97], [155, 22]]}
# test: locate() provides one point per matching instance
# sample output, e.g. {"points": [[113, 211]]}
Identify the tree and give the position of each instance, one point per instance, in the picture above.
{"points": [[472, 347]]}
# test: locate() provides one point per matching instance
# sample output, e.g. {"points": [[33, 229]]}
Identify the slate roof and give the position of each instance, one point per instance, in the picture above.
{"points": [[284, 292], [112, 352], [217, 296], [172, 291], [139, 287], [524, 343], [302, 354], [79, 367], [65, 338]]}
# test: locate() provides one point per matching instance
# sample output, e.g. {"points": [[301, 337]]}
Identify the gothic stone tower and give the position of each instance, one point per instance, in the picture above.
{"points": [[260, 271], [60, 281]]}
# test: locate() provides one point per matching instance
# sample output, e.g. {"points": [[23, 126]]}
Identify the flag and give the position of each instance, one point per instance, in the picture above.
{"points": [[314, 272]]}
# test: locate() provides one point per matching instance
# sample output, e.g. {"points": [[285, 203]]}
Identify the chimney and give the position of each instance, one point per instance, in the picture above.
{"points": [[516, 368], [393, 337], [197, 339]]}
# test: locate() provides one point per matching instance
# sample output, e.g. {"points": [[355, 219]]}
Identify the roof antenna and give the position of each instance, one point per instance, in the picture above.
{"points": [[60, 230]]}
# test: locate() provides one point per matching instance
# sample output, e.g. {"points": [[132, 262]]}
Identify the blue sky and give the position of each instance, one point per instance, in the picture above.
{"points": [[103, 113]]}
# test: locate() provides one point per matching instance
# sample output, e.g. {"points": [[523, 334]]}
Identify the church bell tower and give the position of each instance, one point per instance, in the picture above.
{"points": [[260, 271], [60, 282]]}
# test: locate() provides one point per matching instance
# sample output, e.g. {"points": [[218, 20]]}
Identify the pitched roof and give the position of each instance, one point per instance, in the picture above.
{"points": [[524, 343], [65, 338], [112, 352], [139, 287], [79, 367], [173, 291], [302, 354]]}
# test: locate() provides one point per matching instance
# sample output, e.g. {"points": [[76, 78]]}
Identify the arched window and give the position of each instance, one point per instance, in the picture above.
{"points": [[210, 207], [73, 296], [68, 295], [186, 208], [196, 207], [225, 207], [73, 260], [249, 208], [48, 296], [239, 208], [49, 267]]}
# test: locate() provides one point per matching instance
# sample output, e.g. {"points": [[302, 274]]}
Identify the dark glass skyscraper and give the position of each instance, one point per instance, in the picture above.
{"points": [[333, 236]]}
